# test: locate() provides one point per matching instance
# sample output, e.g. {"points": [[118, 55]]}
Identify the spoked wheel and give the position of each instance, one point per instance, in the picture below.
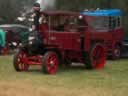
{"points": [[50, 62], [96, 57], [116, 53], [19, 61]]}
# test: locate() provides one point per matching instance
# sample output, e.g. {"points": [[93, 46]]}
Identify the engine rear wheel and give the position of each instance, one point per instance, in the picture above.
{"points": [[50, 62], [19, 61], [96, 58]]}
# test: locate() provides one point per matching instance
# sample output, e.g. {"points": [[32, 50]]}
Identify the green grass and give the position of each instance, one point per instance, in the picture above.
{"points": [[75, 81]]}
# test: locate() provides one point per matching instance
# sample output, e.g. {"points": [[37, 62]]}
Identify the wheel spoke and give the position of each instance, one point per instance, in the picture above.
{"points": [[98, 56], [20, 62], [51, 62]]}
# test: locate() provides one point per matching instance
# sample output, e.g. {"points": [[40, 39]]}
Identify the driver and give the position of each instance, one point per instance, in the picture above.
{"points": [[39, 18], [36, 16], [37, 42]]}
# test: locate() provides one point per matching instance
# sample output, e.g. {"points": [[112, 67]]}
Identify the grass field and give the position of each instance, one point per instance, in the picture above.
{"points": [[75, 81]]}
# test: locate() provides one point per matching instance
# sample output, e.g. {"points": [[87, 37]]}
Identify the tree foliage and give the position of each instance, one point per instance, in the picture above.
{"points": [[11, 9]]}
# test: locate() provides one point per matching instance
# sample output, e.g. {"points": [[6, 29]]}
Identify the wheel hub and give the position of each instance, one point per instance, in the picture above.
{"points": [[51, 63]]}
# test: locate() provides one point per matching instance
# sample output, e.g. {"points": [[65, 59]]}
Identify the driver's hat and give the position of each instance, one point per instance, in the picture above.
{"points": [[36, 5]]}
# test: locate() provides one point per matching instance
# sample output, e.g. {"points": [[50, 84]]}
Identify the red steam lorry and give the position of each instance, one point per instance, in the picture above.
{"points": [[66, 37]]}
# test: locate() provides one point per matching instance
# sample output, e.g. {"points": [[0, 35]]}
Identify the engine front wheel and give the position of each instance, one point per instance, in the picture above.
{"points": [[96, 58], [19, 61], [50, 62]]}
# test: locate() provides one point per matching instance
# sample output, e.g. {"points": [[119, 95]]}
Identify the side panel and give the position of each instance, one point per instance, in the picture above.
{"points": [[65, 40], [118, 34]]}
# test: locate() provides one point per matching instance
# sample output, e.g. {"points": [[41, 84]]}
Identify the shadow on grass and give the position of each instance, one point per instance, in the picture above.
{"points": [[61, 70]]}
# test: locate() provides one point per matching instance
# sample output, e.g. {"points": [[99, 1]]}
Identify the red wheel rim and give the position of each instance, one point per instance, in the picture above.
{"points": [[98, 57], [21, 62], [52, 63]]}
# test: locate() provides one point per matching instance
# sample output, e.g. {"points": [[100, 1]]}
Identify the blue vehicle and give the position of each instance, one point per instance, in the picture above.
{"points": [[109, 12]]}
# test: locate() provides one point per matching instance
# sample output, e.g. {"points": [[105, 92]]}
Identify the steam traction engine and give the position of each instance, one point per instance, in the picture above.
{"points": [[64, 37]]}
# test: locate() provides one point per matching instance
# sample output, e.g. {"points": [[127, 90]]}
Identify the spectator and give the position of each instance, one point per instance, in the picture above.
{"points": [[2, 40]]}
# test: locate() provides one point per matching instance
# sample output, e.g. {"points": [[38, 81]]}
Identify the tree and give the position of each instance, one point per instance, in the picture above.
{"points": [[11, 9]]}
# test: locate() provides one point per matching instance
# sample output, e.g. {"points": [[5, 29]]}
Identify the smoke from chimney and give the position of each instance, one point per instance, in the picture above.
{"points": [[47, 4]]}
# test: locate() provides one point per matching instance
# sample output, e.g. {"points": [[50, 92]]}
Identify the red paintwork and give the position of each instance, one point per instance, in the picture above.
{"points": [[69, 43], [34, 60], [21, 61], [52, 63], [95, 55]]}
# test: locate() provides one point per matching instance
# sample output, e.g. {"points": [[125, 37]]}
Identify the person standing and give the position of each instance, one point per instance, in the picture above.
{"points": [[37, 43], [36, 17]]}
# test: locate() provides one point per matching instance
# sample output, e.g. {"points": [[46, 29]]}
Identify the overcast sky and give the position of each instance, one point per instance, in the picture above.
{"points": [[46, 3]]}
